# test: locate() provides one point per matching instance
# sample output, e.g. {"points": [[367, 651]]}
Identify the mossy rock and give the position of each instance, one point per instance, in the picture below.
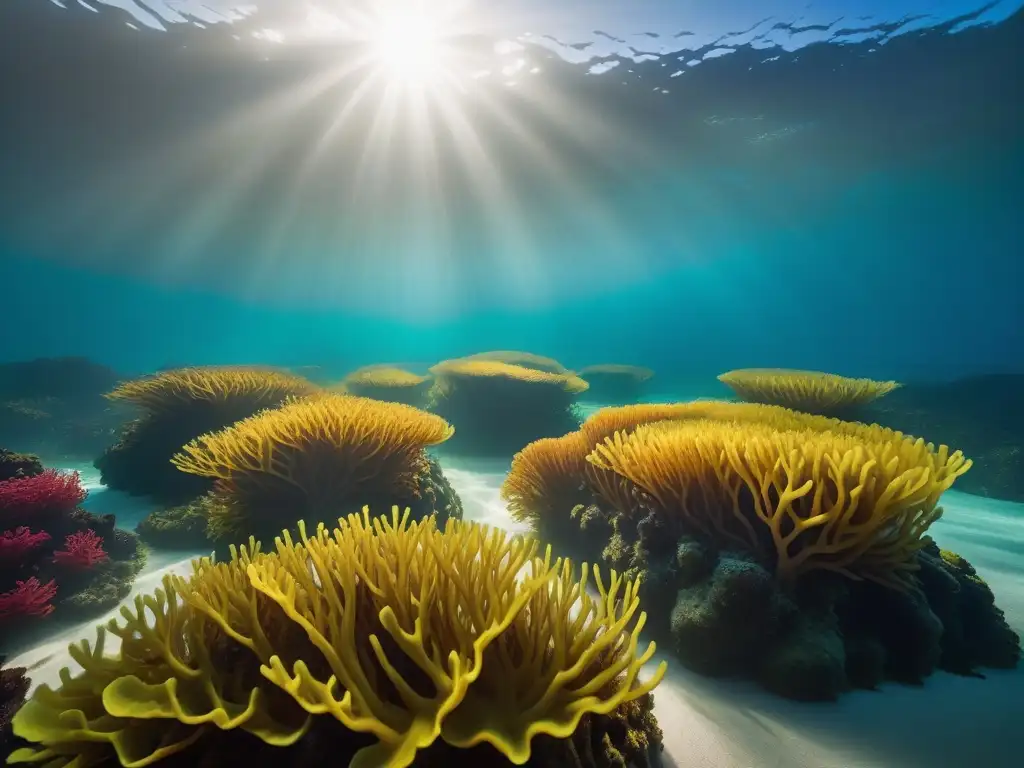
{"points": [[722, 624], [809, 664], [139, 463], [975, 632], [177, 528], [14, 465]]}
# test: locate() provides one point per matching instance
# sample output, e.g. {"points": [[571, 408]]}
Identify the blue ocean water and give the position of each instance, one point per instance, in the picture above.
{"points": [[836, 199], [691, 187]]}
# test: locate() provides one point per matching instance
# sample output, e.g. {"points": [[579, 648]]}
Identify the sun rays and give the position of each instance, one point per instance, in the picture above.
{"points": [[397, 144]]}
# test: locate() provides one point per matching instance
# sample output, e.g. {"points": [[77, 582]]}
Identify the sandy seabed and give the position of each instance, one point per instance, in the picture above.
{"points": [[949, 722]]}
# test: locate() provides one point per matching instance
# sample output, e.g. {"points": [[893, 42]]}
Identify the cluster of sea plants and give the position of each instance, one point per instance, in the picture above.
{"points": [[772, 542], [57, 561], [765, 539]]}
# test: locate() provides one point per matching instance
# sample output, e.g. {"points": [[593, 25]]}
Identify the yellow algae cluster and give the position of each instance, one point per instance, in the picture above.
{"points": [[397, 632], [467, 368], [387, 382], [806, 492], [169, 390], [312, 454], [522, 359], [382, 376], [810, 391]]}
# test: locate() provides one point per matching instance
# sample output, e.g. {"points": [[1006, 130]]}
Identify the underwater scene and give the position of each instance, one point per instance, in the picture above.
{"points": [[566, 384]]}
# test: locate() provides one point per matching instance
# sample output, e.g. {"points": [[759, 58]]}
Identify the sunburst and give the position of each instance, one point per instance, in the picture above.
{"points": [[394, 142]]}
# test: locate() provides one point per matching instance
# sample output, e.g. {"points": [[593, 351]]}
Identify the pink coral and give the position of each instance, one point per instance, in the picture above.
{"points": [[28, 598], [81, 550], [15, 544], [50, 491]]}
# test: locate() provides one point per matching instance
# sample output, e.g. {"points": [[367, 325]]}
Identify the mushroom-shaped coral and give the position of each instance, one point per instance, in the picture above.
{"points": [[810, 391], [385, 382], [498, 408], [178, 406], [522, 359], [615, 383], [311, 459], [396, 636], [856, 505]]}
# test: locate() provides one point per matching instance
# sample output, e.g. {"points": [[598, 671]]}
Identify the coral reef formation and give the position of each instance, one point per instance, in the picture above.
{"points": [[615, 383], [312, 459], [377, 643], [384, 382], [178, 406], [857, 505], [808, 391], [498, 408], [56, 558], [983, 415], [55, 406], [783, 546]]}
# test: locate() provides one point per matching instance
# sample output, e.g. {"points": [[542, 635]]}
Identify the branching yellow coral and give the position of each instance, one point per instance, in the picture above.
{"points": [[169, 389], [850, 503], [548, 473], [524, 359], [393, 629], [316, 452], [809, 391], [484, 369]]}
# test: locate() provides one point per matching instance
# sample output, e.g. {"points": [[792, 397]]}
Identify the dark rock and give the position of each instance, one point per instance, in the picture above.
{"points": [[13, 688], [721, 625], [902, 622], [13, 465], [809, 663], [693, 561], [139, 464], [975, 630], [865, 660]]}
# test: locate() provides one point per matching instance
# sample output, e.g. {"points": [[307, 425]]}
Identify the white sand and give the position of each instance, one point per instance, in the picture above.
{"points": [[950, 722]]}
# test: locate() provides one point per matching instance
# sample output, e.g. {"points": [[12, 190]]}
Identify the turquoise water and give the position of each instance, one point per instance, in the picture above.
{"points": [[686, 187]]}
